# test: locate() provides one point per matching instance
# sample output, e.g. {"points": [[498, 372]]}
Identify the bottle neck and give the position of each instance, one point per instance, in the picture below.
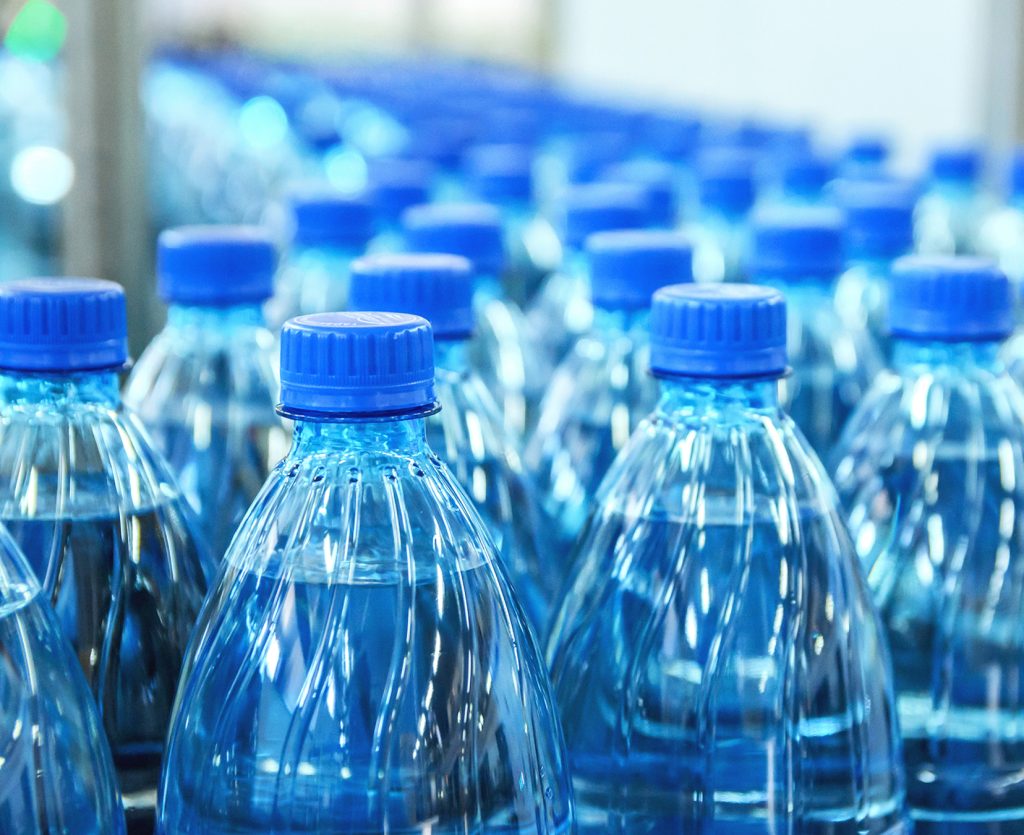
{"points": [[687, 396], [869, 262], [909, 354], [35, 389], [403, 434], [486, 286], [219, 319], [451, 355], [608, 320]]}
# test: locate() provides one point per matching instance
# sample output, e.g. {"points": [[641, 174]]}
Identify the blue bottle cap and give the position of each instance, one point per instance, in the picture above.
{"points": [[437, 287], [1017, 174], [62, 325], [879, 217], [472, 230], [325, 218], [949, 299], [356, 364], [397, 184], [588, 153], [627, 266], [793, 244], [216, 265], [718, 330], [599, 207], [868, 149], [500, 174], [806, 173], [957, 164], [658, 181], [725, 180]]}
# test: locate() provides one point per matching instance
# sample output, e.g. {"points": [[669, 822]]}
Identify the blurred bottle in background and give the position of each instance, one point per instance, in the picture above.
{"points": [[205, 387], [718, 662], [953, 204], [98, 514], [931, 475], [660, 184], [56, 774], [801, 178], [394, 186], [721, 230], [867, 156], [468, 432], [401, 628], [1001, 234], [800, 252], [603, 388]]}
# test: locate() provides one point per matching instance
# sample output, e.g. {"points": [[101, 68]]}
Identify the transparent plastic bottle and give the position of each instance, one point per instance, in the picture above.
{"points": [[950, 210], [602, 389], [56, 774], [503, 351], [363, 664], [394, 186], [1001, 235], [721, 230], [205, 388], [468, 433], [879, 227], [801, 178], [503, 176], [659, 181], [799, 251], [718, 663], [330, 230], [931, 475], [561, 313], [97, 513]]}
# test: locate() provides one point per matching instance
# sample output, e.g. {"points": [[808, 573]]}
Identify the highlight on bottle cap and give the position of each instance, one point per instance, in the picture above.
{"points": [[797, 244], [216, 265], [437, 287], [950, 298], [718, 330], [62, 325], [359, 363], [472, 230], [627, 266]]}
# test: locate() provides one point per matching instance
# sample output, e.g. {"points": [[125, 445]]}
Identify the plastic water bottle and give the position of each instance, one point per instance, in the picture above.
{"points": [[330, 231], [503, 350], [363, 664], [800, 179], [931, 474], [467, 432], [205, 387], [718, 663], [800, 252], [56, 774], [866, 157], [394, 186], [97, 513], [503, 176], [562, 311], [1001, 234], [603, 388], [659, 181], [879, 227], [950, 211], [721, 231]]}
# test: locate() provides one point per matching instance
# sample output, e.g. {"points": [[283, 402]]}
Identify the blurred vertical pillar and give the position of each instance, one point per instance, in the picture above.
{"points": [[549, 14], [105, 222], [1003, 76]]}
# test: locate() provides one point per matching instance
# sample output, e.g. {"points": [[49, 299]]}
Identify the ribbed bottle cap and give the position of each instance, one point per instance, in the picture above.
{"points": [[397, 184], [793, 244], [599, 207], [718, 330], [437, 287], [472, 230], [957, 164], [215, 265], [62, 324], [953, 299], [725, 180], [627, 266], [879, 217], [658, 180], [325, 218], [500, 173], [356, 363]]}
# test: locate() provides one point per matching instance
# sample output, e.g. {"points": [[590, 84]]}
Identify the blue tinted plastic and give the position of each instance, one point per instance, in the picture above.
{"points": [[931, 474], [718, 664], [206, 390], [311, 280], [106, 530], [363, 664], [56, 774], [949, 213]]}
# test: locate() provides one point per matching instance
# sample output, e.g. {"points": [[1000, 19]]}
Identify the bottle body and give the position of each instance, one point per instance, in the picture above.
{"points": [[112, 543], [562, 311], [363, 665], [206, 390], [56, 774], [861, 300], [929, 473], [311, 280], [947, 217], [721, 248], [717, 661]]}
